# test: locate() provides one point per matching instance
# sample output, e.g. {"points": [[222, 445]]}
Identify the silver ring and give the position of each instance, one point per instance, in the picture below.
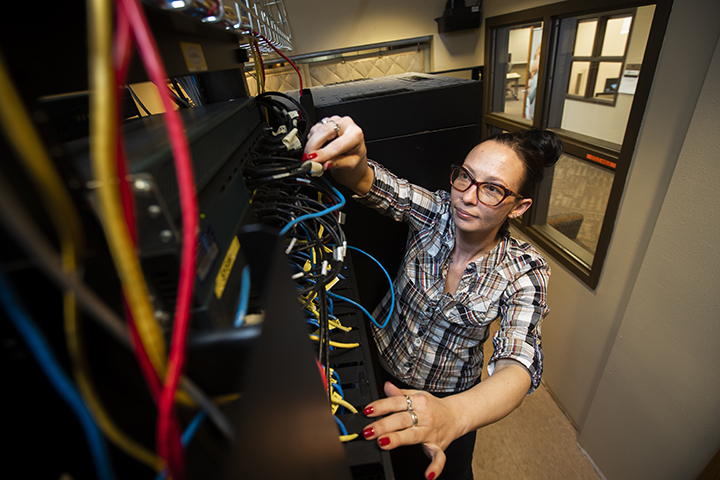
{"points": [[414, 418], [326, 120], [409, 403]]}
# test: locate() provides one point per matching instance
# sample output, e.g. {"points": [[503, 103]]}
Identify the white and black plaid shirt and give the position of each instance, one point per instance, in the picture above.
{"points": [[434, 341]]}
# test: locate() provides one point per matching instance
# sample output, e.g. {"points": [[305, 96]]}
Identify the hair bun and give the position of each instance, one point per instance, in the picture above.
{"points": [[548, 145], [537, 149]]}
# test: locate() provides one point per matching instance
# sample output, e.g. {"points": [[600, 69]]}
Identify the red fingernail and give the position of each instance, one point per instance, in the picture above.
{"points": [[304, 157], [431, 476], [309, 157], [368, 432], [384, 441], [369, 410], [326, 166]]}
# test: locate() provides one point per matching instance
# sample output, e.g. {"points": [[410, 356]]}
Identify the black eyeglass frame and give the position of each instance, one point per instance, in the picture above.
{"points": [[507, 191]]}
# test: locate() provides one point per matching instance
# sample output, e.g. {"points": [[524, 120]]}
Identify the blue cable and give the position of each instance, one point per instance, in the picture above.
{"points": [[337, 387], [392, 291], [187, 436], [354, 303], [340, 424], [244, 297], [57, 377], [387, 275], [302, 218]]}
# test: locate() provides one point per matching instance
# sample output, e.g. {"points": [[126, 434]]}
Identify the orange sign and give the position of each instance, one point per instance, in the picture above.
{"points": [[601, 160]]}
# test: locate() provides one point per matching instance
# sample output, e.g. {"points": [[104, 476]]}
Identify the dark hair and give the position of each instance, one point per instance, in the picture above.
{"points": [[538, 149]]}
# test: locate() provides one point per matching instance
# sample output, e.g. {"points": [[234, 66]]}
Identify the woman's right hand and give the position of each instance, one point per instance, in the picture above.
{"points": [[344, 152]]}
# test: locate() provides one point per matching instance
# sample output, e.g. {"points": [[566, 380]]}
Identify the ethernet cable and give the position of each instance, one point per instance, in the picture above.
{"points": [[50, 366]]}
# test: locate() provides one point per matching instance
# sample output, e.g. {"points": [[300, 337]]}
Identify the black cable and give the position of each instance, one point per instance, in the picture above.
{"points": [[179, 92], [137, 99]]}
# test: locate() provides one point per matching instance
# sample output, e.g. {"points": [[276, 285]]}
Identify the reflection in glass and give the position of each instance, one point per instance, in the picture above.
{"points": [[580, 192]]}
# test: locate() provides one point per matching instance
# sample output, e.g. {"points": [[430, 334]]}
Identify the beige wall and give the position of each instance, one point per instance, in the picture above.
{"points": [[660, 390], [319, 25], [621, 359]]}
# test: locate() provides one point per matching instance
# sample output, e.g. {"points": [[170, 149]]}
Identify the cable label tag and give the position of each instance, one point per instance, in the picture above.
{"points": [[194, 57], [226, 267]]}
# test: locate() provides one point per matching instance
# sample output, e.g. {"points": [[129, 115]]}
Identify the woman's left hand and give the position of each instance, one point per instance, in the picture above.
{"points": [[436, 424]]}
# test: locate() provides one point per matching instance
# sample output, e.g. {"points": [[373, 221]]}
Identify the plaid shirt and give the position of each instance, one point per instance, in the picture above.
{"points": [[434, 341]]}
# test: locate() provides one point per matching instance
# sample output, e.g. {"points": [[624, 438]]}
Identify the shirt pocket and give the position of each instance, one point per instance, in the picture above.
{"points": [[425, 271], [476, 313]]}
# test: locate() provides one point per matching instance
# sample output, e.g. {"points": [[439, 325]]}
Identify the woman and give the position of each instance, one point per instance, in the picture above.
{"points": [[461, 271]]}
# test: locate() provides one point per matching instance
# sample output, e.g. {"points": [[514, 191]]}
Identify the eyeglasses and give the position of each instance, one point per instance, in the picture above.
{"points": [[488, 193]]}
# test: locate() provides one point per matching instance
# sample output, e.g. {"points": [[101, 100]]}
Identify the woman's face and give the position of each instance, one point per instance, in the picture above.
{"points": [[489, 162]]}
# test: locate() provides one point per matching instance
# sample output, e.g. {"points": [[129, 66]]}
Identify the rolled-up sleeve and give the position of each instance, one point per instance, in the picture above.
{"points": [[523, 307], [401, 200]]}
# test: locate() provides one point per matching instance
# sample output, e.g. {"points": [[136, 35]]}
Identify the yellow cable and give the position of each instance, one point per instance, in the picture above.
{"points": [[29, 146], [335, 323], [102, 153], [347, 438], [336, 344]]}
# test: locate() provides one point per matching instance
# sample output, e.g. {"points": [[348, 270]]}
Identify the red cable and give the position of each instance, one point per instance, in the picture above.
{"points": [[122, 53], [257, 34], [168, 436]]}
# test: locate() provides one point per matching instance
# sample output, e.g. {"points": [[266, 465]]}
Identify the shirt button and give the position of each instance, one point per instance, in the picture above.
{"points": [[417, 342]]}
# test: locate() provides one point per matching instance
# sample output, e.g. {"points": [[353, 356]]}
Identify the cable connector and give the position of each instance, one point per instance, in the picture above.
{"points": [[291, 141], [282, 130], [339, 252], [316, 169], [294, 115]]}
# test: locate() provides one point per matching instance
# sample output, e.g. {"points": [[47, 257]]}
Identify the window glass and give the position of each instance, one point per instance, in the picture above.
{"points": [[578, 78], [579, 194], [515, 69], [596, 107], [585, 38], [595, 104], [616, 37], [608, 79], [592, 62]]}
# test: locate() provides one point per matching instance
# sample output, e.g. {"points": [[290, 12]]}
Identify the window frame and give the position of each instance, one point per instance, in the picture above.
{"points": [[590, 149], [597, 58]]}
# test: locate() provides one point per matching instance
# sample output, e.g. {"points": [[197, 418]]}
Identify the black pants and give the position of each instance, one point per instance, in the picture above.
{"points": [[410, 462]]}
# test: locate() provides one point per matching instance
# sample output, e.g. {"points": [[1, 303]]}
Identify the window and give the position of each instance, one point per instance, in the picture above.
{"points": [[598, 58], [518, 54], [592, 73]]}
